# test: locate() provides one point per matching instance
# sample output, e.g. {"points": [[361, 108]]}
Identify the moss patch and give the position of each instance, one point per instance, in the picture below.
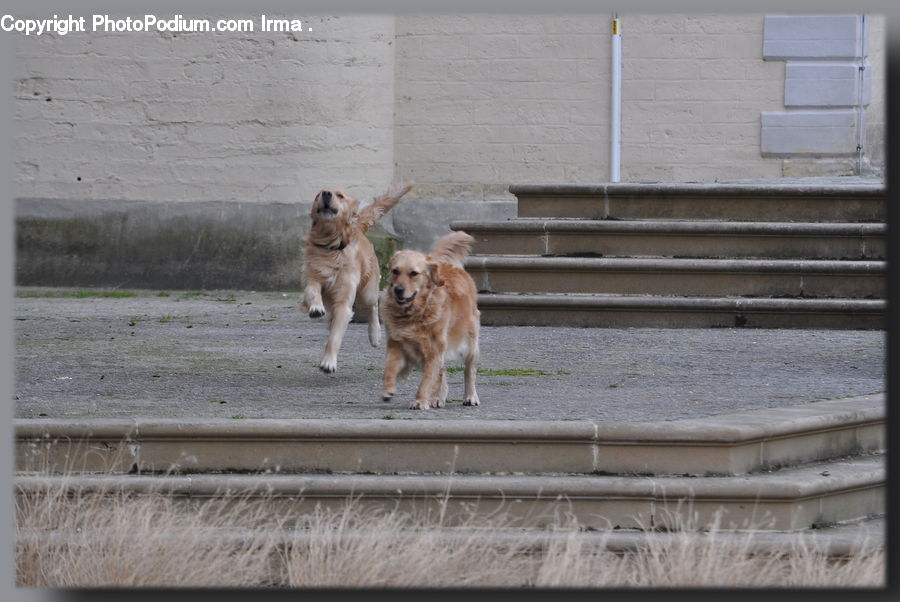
{"points": [[509, 371], [79, 295]]}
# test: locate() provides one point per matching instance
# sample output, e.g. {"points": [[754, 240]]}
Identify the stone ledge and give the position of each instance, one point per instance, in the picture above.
{"points": [[548, 300], [723, 444], [673, 265], [837, 541], [828, 132], [787, 500], [688, 227], [770, 421], [826, 84], [813, 37], [765, 188]]}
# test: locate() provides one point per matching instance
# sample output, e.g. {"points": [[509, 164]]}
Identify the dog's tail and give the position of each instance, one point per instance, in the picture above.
{"points": [[383, 203], [452, 248]]}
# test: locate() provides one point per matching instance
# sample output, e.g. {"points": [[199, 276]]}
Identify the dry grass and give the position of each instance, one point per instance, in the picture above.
{"points": [[692, 559], [114, 539], [105, 539], [349, 548]]}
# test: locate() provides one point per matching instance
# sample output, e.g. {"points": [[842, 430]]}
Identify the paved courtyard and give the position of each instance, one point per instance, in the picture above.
{"points": [[238, 354]]}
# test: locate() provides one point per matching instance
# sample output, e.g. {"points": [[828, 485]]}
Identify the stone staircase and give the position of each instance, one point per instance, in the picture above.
{"points": [[779, 469], [685, 255]]}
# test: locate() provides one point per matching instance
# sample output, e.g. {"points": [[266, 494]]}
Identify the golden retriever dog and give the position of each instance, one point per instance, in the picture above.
{"points": [[340, 266], [430, 315]]}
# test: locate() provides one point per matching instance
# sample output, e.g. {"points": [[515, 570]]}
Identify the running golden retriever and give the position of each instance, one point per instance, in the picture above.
{"points": [[340, 265], [430, 314]]}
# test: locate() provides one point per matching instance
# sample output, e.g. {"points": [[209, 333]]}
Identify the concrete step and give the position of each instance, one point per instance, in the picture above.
{"points": [[705, 201], [610, 238], [679, 277], [727, 444], [280, 547], [834, 540], [791, 499], [624, 311]]}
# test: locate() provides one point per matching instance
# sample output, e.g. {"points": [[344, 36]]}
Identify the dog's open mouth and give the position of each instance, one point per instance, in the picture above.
{"points": [[328, 211], [404, 301]]}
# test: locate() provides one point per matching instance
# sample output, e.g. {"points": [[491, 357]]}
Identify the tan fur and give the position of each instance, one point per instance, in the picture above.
{"points": [[432, 316], [340, 266]]}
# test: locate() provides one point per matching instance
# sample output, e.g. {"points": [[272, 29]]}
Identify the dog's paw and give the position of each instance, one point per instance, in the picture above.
{"points": [[317, 311], [387, 395], [437, 403], [419, 404], [328, 365], [471, 400]]}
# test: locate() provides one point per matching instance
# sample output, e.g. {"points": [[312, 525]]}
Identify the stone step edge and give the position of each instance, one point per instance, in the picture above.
{"points": [[841, 540], [721, 228], [675, 265], [787, 500], [824, 479], [672, 303], [701, 189], [742, 443], [738, 428]]}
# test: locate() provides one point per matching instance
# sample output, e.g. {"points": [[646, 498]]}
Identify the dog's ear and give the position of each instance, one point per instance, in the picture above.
{"points": [[433, 275], [312, 210]]}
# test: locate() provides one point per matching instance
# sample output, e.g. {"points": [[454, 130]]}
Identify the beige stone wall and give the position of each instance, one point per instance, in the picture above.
{"points": [[484, 101], [488, 100], [693, 87], [256, 117], [876, 121], [465, 104]]}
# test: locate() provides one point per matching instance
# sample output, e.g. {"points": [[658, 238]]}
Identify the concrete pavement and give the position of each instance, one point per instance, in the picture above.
{"points": [[245, 355]]}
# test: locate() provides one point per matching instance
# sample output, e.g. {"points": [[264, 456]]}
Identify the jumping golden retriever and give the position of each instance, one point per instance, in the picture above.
{"points": [[340, 265], [430, 314]]}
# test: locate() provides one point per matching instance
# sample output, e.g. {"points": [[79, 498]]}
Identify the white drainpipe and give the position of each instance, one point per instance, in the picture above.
{"points": [[615, 137], [860, 109]]}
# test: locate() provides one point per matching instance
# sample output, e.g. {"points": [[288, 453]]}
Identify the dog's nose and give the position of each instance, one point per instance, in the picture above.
{"points": [[399, 290], [326, 196]]}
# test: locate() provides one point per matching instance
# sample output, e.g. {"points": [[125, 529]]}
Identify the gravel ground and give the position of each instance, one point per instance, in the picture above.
{"points": [[239, 354]]}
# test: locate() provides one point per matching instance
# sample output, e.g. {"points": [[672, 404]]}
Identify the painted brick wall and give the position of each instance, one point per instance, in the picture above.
{"points": [[483, 101], [692, 91], [258, 117], [488, 100], [465, 104]]}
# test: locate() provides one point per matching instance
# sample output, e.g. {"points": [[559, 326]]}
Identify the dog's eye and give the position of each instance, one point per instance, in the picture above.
{"points": [[340, 196], [414, 273], [395, 272]]}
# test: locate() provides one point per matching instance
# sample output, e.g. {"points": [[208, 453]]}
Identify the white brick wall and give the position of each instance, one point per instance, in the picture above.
{"points": [[484, 101], [262, 117], [693, 88], [530, 100], [465, 104], [488, 100]]}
